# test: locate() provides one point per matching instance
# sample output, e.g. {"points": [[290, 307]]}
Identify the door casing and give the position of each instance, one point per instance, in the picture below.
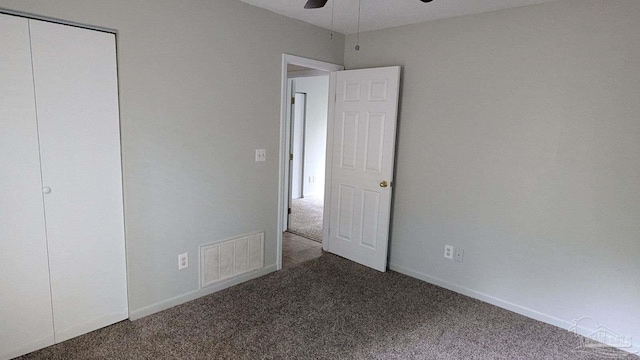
{"points": [[285, 135]]}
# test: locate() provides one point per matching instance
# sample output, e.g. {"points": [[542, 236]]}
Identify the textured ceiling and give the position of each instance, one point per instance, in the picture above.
{"points": [[380, 14]]}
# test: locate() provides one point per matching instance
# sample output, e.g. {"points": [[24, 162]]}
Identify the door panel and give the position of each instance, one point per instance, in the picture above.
{"points": [[26, 322], [370, 210], [76, 89], [375, 141], [346, 200], [349, 140], [363, 158]]}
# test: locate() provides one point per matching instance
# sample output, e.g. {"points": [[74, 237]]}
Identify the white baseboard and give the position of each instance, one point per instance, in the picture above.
{"points": [[518, 309], [33, 346], [64, 335], [181, 299], [89, 326]]}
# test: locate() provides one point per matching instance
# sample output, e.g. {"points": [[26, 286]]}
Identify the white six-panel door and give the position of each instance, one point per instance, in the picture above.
{"points": [[77, 106], [362, 158], [25, 300]]}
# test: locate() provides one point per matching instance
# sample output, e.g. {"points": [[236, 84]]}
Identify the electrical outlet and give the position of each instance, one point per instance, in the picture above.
{"points": [[183, 261], [459, 255], [448, 252], [261, 155]]}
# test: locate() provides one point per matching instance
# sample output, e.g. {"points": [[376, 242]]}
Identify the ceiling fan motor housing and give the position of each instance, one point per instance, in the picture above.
{"points": [[315, 4]]}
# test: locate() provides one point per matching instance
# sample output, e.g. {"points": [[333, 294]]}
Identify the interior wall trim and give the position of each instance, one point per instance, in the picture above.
{"points": [[193, 295], [57, 21], [507, 305]]}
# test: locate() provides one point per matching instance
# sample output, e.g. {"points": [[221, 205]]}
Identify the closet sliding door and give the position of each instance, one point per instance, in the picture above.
{"points": [[25, 299], [75, 80]]}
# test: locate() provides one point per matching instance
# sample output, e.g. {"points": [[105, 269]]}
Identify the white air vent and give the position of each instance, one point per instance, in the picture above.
{"points": [[222, 261]]}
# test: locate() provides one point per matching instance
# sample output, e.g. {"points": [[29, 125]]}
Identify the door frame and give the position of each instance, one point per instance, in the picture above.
{"points": [[285, 127], [292, 139]]}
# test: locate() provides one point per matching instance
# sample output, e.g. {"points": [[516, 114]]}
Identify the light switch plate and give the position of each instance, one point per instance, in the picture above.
{"points": [[261, 155]]}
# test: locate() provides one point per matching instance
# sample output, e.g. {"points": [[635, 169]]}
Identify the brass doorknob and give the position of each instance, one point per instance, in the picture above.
{"points": [[384, 184]]}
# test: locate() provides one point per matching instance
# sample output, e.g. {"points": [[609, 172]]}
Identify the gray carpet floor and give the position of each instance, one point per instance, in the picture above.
{"points": [[306, 217], [327, 308]]}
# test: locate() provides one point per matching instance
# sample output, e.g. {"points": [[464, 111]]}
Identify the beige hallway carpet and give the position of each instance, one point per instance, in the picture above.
{"points": [[306, 217]]}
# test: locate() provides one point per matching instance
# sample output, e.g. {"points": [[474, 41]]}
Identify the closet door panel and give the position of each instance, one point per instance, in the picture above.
{"points": [[77, 104], [25, 300]]}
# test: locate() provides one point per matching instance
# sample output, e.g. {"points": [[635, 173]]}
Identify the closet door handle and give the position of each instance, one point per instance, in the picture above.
{"points": [[46, 190]]}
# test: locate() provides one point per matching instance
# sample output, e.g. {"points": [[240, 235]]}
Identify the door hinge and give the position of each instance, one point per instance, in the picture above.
{"points": [[290, 157], [293, 100], [289, 211]]}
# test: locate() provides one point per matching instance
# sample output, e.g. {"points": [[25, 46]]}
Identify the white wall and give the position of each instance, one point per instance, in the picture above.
{"points": [[317, 90], [519, 142], [199, 91]]}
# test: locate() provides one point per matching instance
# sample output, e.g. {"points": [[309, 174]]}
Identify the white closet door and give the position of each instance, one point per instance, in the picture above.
{"points": [[25, 299], [77, 105]]}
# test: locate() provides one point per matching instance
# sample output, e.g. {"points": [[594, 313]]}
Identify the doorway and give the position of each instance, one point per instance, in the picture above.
{"points": [[310, 101], [306, 94], [360, 147], [302, 239]]}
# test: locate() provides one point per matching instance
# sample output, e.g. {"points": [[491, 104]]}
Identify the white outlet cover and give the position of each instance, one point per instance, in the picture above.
{"points": [[183, 261], [448, 252], [261, 155]]}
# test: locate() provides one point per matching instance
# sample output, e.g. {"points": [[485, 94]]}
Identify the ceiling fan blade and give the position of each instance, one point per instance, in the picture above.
{"points": [[315, 4]]}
